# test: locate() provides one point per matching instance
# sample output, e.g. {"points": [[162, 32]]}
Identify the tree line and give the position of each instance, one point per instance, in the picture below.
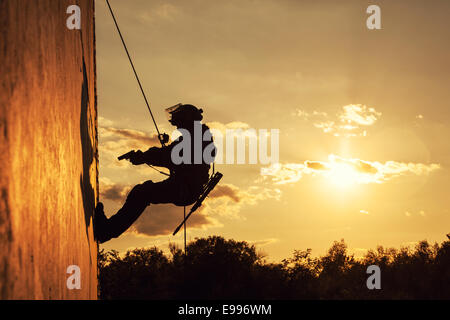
{"points": [[217, 268]]}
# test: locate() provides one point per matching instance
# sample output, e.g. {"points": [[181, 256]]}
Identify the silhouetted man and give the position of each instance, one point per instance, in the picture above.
{"points": [[186, 180]]}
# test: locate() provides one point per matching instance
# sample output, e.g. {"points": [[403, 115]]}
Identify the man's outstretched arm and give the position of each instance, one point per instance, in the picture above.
{"points": [[154, 156]]}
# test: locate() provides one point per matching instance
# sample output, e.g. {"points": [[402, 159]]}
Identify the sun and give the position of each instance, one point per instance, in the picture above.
{"points": [[342, 175]]}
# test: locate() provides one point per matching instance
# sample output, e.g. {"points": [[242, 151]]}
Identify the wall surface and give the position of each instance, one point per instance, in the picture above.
{"points": [[48, 150]]}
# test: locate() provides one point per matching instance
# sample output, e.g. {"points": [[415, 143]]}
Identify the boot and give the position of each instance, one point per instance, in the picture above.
{"points": [[100, 224]]}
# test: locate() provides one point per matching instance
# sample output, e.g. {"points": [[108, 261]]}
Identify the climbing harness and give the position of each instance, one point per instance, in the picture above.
{"points": [[163, 139]]}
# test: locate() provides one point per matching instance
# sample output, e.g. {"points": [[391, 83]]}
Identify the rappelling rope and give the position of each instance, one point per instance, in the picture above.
{"points": [[184, 217], [138, 81], [135, 73]]}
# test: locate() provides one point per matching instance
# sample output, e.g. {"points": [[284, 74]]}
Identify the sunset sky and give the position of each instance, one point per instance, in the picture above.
{"points": [[364, 117]]}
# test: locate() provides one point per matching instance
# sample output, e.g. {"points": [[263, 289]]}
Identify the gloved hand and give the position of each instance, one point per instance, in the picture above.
{"points": [[137, 158]]}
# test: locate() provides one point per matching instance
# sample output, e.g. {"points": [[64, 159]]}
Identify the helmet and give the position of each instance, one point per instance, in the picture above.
{"points": [[181, 114]]}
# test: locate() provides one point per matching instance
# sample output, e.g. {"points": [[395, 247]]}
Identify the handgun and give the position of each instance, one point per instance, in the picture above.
{"points": [[127, 155]]}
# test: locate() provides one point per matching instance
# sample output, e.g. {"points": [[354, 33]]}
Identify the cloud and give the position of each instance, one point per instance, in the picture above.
{"points": [[421, 213], [103, 122], [347, 122], [132, 135], [164, 12], [226, 190], [162, 219], [394, 169], [354, 170], [229, 201], [111, 191], [301, 114], [284, 173], [364, 211], [307, 115], [264, 242], [235, 129], [115, 192], [316, 165], [116, 141], [357, 164], [227, 126], [326, 126], [359, 114]]}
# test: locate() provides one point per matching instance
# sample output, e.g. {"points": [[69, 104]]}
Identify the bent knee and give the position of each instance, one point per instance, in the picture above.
{"points": [[140, 192]]}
